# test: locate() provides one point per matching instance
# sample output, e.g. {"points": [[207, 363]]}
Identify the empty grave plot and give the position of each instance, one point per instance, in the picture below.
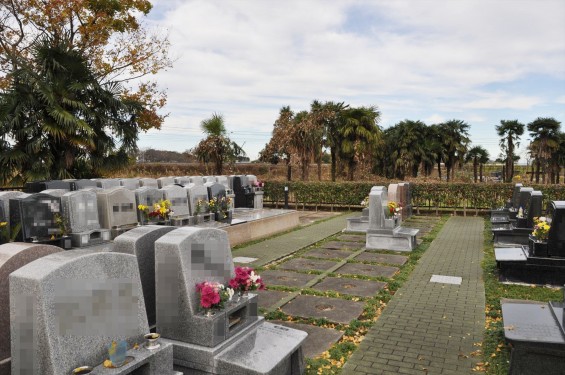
{"points": [[367, 270], [382, 258], [352, 237], [337, 245], [328, 253], [268, 298], [301, 264], [319, 339], [354, 287], [286, 278], [333, 309]]}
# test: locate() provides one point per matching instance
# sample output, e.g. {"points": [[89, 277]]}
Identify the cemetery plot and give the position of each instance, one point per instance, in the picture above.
{"points": [[367, 270], [286, 278], [268, 298], [337, 245], [352, 238], [334, 309], [328, 254], [382, 258], [301, 264], [319, 339], [354, 287]]}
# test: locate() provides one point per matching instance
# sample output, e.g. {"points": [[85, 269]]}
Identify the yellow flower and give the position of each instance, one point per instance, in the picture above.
{"points": [[3, 224]]}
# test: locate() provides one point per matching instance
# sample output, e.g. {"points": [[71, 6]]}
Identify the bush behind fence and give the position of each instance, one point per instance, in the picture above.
{"points": [[427, 196]]}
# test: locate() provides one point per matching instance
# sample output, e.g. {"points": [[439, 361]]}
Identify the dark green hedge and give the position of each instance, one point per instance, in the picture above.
{"points": [[430, 195]]}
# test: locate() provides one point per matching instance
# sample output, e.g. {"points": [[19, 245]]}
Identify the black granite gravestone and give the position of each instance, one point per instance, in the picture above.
{"points": [[556, 238], [39, 186], [244, 194], [36, 213], [518, 232], [216, 191]]}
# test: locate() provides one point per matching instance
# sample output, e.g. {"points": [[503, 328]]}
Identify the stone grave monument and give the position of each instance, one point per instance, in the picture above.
{"points": [[117, 210], [5, 197], [384, 232], [140, 242], [208, 179], [55, 192], [244, 195], [147, 196], [197, 193], [258, 190], [130, 183], [540, 261], [67, 308], [35, 214], [184, 181], [80, 210], [359, 223], [523, 198], [235, 340], [39, 186], [82, 184], [165, 181], [107, 183], [407, 208], [518, 231], [148, 182], [511, 206], [229, 192], [13, 256], [197, 180], [179, 204]]}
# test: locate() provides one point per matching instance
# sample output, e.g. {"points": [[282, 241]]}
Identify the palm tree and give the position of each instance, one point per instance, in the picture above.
{"points": [[216, 147], [544, 133], [360, 132], [454, 135], [510, 131], [61, 121], [474, 155], [409, 149]]}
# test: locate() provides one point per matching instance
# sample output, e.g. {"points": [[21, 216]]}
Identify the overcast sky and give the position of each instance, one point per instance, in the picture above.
{"points": [[429, 60]]}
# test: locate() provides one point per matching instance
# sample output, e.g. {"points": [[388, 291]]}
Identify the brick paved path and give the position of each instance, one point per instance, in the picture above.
{"points": [[430, 328]]}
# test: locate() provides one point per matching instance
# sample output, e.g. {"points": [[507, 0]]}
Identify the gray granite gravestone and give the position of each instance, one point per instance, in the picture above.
{"points": [[224, 181], [197, 193], [82, 184], [148, 182], [384, 232], [147, 196], [216, 190], [234, 340], [165, 181], [359, 223], [13, 256], [107, 183], [197, 180], [55, 192], [409, 210], [36, 215], [179, 204], [130, 183], [67, 308], [140, 242], [117, 210], [185, 180], [80, 210], [208, 179]]}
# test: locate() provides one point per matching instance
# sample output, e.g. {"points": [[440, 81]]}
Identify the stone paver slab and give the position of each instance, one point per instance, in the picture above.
{"points": [[354, 287], [328, 254], [367, 270], [301, 264], [382, 258], [319, 339], [268, 298], [337, 245], [334, 309], [286, 278], [352, 237]]}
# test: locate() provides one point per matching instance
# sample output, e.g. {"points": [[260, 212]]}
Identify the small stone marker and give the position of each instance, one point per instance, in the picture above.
{"points": [[455, 280], [334, 309]]}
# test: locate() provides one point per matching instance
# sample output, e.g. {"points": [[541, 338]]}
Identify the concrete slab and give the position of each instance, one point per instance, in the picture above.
{"points": [[328, 254], [334, 309], [319, 339], [268, 298], [338, 245], [244, 260], [301, 264], [354, 287], [286, 278], [352, 237], [367, 270], [382, 258]]}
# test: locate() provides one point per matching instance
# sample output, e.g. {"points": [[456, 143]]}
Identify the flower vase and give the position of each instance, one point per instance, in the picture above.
{"points": [[538, 248], [65, 242], [209, 313], [117, 353]]}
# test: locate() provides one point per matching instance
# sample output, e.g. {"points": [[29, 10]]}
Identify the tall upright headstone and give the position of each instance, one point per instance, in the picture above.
{"points": [[185, 180], [107, 183], [117, 210], [179, 204], [80, 210], [67, 308], [147, 196], [35, 214], [130, 183], [197, 180], [148, 182], [165, 181]]}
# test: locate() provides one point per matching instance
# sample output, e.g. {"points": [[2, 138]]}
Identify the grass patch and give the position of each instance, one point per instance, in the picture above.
{"points": [[496, 354]]}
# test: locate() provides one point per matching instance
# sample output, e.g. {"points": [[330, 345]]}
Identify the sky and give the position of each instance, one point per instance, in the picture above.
{"points": [[480, 61]]}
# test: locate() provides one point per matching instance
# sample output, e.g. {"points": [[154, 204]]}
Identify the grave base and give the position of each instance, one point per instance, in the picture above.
{"points": [[518, 265], [263, 348], [93, 237], [511, 235], [399, 239], [357, 224], [180, 221], [116, 231]]}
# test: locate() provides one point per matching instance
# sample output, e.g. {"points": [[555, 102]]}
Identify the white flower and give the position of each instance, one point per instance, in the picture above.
{"points": [[254, 277], [230, 293]]}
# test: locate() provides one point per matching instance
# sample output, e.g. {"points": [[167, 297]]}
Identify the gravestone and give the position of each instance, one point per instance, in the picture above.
{"points": [[130, 183], [80, 210], [39, 186], [197, 193], [5, 197], [197, 180], [556, 237], [13, 256], [518, 231], [107, 183], [83, 183], [359, 223], [224, 181], [55, 192], [230, 181], [208, 179], [165, 181], [216, 190], [244, 195], [503, 215], [66, 309], [258, 191], [222, 343], [147, 196], [36, 215], [516, 196], [148, 182], [384, 232], [408, 199], [179, 204], [182, 180], [117, 210], [140, 242], [402, 196]]}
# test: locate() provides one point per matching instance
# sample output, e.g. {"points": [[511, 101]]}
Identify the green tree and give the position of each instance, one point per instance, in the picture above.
{"points": [[545, 141], [408, 148], [217, 148], [58, 121], [479, 155], [510, 132], [280, 145], [455, 138]]}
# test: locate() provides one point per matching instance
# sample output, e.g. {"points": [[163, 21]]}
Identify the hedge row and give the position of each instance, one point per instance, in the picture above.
{"points": [[424, 195]]}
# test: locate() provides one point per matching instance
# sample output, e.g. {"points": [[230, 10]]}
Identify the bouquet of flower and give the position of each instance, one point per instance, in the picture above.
{"points": [[541, 228], [162, 210], [365, 202], [199, 207], [213, 205], [144, 211], [393, 208], [246, 279], [213, 294]]}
